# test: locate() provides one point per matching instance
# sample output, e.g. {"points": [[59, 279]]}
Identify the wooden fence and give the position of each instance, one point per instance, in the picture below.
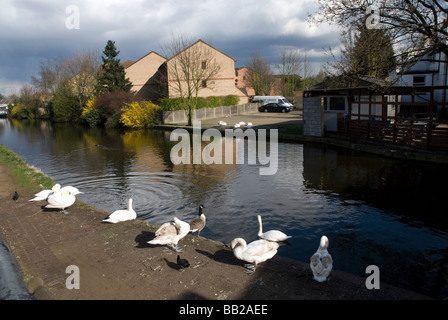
{"points": [[408, 116]]}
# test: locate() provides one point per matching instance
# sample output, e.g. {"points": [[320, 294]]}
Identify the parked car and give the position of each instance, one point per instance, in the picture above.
{"points": [[274, 107]]}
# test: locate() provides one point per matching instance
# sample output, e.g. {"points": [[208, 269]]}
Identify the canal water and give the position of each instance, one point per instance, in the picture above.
{"points": [[375, 211]]}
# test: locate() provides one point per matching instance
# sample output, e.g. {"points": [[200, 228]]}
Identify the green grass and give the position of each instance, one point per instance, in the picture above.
{"points": [[25, 175]]}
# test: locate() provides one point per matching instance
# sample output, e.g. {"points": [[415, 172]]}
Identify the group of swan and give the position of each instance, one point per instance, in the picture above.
{"points": [[237, 125], [259, 250], [57, 197], [321, 262], [170, 233]]}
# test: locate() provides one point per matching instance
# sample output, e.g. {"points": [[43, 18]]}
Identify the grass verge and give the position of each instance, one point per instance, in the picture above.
{"points": [[25, 175]]}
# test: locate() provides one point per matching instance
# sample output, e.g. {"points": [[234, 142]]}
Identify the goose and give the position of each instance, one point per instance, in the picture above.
{"points": [[122, 215], [321, 262], [60, 200], [197, 224], [43, 195], [170, 234], [242, 123], [255, 252], [249, 125], [271, 235]]}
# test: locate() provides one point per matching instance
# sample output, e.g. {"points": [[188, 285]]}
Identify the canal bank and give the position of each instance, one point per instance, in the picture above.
{"points": [[290, 128], [115, 261]]}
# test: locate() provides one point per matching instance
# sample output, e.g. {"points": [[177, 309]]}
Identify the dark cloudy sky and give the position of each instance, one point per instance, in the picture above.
{"points": [[33, 30]]}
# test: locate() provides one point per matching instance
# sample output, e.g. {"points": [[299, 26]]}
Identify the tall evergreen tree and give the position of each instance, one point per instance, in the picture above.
{"points": [[112, 75], [372, 54]]}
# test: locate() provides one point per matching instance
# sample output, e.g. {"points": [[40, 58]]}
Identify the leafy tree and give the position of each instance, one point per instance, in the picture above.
{"points": [[373, 54], [112, 75], [65, 104]]}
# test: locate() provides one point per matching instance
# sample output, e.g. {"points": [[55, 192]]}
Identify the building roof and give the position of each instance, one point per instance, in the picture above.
{"points": [[129, 63], [200, 41], [345, 82]]}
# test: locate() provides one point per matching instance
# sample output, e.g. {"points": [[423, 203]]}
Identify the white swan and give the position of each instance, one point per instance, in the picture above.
{"points": [[249, 125], [197, 224], [43, 195], [271, 235], [222, 123], [60, 200], [122, 215], [255, 252], [236, 125], [170, 234], [74, 191], [321, 262]]}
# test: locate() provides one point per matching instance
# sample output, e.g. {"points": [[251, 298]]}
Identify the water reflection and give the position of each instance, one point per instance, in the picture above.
{"points": [[374, 210]]}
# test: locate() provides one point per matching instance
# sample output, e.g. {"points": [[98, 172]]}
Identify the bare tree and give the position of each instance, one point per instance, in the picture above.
{"points": [[82, 72], [259, 75], [307, 72], [289, 68], [51, 74], [191, 67], [414, 25]]}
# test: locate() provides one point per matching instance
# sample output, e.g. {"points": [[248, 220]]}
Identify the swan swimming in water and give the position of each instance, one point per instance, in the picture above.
{"points": [[43, 195], [122, 215], [271, 235], [197, 224], [321, 262], [255, 252], [170, 234]]}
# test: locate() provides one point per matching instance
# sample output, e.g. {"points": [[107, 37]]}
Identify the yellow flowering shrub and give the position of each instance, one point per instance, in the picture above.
{"points": [[139, 114], [90, 105]]}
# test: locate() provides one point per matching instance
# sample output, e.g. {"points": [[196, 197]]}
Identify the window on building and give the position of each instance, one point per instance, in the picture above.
{"points": [[204, 64], [204, 84], [419, 81], [334, 103]]}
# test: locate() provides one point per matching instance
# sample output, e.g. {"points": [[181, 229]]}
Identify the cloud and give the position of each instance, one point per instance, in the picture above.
{"points": [[34, 30]]}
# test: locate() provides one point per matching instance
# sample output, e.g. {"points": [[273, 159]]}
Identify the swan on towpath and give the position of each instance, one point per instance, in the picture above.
{"points": [[43, 195], [254, 253], [122, 215], [61, 199], [321, 262], [170, 233]]}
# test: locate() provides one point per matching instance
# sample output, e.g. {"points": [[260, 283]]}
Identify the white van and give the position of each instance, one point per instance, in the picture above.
{"points": [[273, 99]]}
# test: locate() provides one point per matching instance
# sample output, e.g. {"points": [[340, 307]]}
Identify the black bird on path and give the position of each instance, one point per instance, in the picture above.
{"points": [[15, 197], [182, 263]]}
